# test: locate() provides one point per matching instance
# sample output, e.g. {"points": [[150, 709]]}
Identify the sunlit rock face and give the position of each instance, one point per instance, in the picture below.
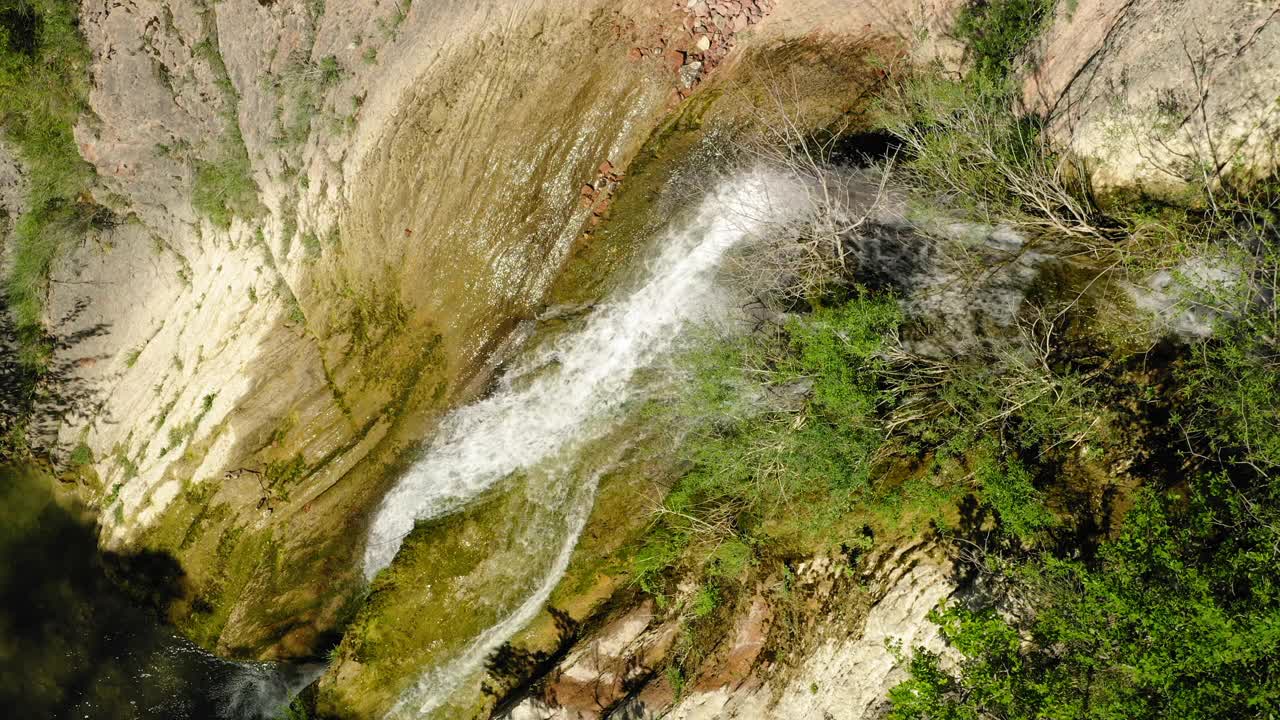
{"points": [[409, 180], [1158, 96]]}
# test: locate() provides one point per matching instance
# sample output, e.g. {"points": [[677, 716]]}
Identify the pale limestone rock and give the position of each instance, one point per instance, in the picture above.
{"points": [[844, 678], [426, 112], [1151, 91], [920, 26]]}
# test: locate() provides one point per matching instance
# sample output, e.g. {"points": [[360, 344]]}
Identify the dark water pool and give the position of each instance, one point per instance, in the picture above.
{"points": [[75, 643]]}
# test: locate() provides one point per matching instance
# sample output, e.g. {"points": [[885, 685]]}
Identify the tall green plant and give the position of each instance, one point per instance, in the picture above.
{"points": [[43, 86]]}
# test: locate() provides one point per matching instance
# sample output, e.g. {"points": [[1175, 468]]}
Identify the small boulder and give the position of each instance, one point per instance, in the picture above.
{"points": [[673, 59], [690, 73]]}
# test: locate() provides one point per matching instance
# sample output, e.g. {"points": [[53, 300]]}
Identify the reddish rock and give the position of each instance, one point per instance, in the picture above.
{"points": [[635, 54], [673, 59], [587, 191], [750, 634], [657, 695], [606, 168], [740, 23]]}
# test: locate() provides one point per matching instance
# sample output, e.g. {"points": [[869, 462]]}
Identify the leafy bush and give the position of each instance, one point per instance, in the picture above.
{"points": [[1178, 618], [1006, 486], [1177, 614], [1234, 381], [787, 424], [225, 188], [82, 455], [968, 153], [996, 32]]}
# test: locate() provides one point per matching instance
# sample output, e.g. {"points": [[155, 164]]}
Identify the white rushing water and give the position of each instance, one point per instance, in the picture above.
{"points": [[482, 443], [585, 379], [435, 686]]}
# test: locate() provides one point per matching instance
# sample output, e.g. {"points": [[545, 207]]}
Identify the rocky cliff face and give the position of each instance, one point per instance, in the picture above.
{"points": [[333, 214], [1160, 95], [841, 668]]}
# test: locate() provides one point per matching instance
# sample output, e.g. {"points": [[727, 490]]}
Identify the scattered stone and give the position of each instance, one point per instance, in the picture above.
{"points": [[690, 73], [674, 59], [703, 43]]}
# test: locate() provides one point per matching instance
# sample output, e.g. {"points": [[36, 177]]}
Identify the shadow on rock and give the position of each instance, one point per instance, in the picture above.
{"points": [[81, 633], [42, 397]]}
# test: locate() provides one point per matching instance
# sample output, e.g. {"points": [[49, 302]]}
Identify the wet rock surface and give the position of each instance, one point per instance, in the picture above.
{"points": [[248, 386]]}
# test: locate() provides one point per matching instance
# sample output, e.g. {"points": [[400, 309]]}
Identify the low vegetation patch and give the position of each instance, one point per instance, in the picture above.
{"points": [[223, 186], [43, 85], [1112, 481]]}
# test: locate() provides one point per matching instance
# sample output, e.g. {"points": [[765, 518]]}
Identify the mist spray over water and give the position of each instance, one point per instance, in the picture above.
{"points": [[587, 378]]}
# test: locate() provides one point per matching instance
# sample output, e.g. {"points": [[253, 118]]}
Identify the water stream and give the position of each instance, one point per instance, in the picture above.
{"points": [[559, 398]]}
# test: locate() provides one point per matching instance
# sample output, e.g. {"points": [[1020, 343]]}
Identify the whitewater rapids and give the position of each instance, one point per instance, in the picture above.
{"points": [[579, 387]]}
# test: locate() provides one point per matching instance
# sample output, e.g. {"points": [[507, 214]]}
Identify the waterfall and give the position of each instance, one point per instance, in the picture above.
{"points": [[482, 443], [580, 384]]}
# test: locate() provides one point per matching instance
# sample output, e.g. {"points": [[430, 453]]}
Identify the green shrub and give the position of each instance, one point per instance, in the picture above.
{"points": [[996, 32], [786, 424], [311, 245], [296, 710], [82, 455], [1177, 618], [1230, 388], [1178, 613], [330, 71], [704, 601], [225, 189], [1005, 485], [43, 85]]}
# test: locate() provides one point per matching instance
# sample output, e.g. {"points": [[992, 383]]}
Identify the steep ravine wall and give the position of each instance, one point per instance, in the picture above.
{"points": [[249, 385], [1157, 95]]}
